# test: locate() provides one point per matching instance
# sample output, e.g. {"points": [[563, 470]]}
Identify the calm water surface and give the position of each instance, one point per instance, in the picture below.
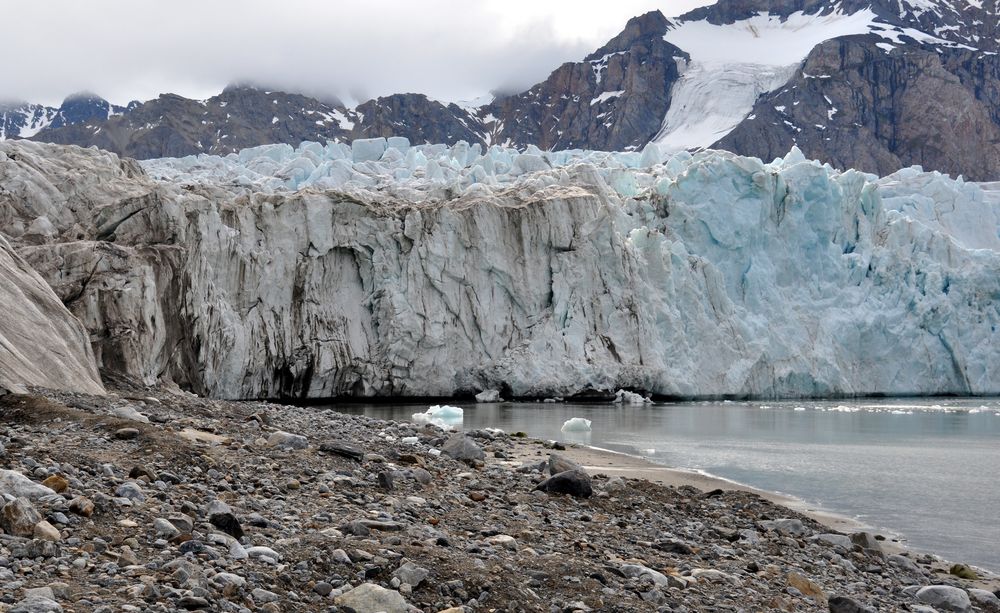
{"points": [[926, 469]]}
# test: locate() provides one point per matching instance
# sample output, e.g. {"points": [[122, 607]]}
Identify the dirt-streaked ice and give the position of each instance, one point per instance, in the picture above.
{"points": [[297, 271]]}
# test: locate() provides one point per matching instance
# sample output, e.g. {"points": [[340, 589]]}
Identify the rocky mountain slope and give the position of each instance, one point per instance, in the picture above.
{"points": [[24, 120], [869, 85], [317, 272]]}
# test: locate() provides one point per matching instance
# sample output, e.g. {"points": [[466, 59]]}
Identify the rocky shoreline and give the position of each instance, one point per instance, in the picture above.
{"points": [[150, 499]]}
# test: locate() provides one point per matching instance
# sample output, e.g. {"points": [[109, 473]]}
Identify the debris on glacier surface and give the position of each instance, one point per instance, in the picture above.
{"points": [[576, 424], [443, 416]]}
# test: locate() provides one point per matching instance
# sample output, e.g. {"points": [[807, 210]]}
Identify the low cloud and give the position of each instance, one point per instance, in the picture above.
{"points": [[448, 49]]}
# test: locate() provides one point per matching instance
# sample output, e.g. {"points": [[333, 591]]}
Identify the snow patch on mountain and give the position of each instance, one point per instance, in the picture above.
{"points": [[733, 64], [764, 39]]}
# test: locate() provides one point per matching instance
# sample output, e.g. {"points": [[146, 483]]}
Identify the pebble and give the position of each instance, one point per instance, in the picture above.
{"points": [[411, 574], [372, 513], [46, 531], [287, 440], [126, 434]]}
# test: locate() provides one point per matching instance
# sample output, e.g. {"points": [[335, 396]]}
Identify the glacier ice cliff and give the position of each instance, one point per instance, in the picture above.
{"points": [[41, 343], [435, 270]]}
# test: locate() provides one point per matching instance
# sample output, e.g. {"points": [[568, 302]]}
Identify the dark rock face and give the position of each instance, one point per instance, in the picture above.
{"points": [[173, 126], [879, 112], [23, 120], [419, 119], [615, 99]]}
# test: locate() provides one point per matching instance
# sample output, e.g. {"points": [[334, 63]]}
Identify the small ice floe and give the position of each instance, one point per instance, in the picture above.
{"points": [[901, 412], [843, 408], [799, 409], [576, 424], [627, 397], [489, 396], [443, 416], [555, 399]]}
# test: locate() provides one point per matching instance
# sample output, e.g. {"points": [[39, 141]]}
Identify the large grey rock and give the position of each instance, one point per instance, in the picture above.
{"points": [[788, 526], [19, 517], [371, 598], [944, 598], [412, 574], [573, 482], [866, 541], [559, 463], [984, 599], [36, 604], [638, 570], [463, 448], [13, 483], [846, 604], [835, 540], [287, 440]]}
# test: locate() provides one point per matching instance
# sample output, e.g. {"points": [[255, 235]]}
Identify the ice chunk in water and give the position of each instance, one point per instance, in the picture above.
{"points": [[627, 397], [489, 396], [443, 416], [576, 424]]}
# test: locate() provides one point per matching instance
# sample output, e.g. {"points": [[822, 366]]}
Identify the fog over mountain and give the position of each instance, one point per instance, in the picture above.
{"points": [[447, 49]]}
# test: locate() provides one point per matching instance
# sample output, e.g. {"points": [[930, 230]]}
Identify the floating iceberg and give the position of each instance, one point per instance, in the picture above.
{"points": [[627, 397], [443, 416], [576, 424], [489, 396]]}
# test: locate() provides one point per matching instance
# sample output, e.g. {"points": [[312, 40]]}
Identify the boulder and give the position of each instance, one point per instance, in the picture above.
{"points": [[944, 598], [463, 448], [560, 464], [371, 598], [13, 483], [19, 517], [573, 482]]}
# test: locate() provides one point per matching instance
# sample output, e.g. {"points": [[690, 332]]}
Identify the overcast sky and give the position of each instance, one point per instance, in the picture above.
{"points": [[448, 49]]}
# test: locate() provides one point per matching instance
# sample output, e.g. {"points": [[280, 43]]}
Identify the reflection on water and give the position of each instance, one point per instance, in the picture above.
{"points": [[922, 469]]}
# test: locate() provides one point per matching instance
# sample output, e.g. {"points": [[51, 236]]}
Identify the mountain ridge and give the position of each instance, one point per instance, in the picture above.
{"points": [[876, 62]]}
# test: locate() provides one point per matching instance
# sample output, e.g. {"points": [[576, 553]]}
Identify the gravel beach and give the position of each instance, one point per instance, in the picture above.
{"points": [[157, 500]]}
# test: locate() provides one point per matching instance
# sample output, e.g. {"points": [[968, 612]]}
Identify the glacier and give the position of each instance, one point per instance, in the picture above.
{"points": [[434, 271]]}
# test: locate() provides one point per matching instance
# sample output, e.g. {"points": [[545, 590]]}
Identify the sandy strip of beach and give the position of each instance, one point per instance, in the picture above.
{"points": [[612, 463]]}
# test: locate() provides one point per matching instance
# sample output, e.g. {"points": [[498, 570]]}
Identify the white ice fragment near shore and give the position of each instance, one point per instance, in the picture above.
{"points": [[443, 416], [489, 396], [576, 424], [627, 397]]}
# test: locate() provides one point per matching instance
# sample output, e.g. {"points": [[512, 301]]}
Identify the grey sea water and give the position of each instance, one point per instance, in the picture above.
{"points": [[925, 469]]}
